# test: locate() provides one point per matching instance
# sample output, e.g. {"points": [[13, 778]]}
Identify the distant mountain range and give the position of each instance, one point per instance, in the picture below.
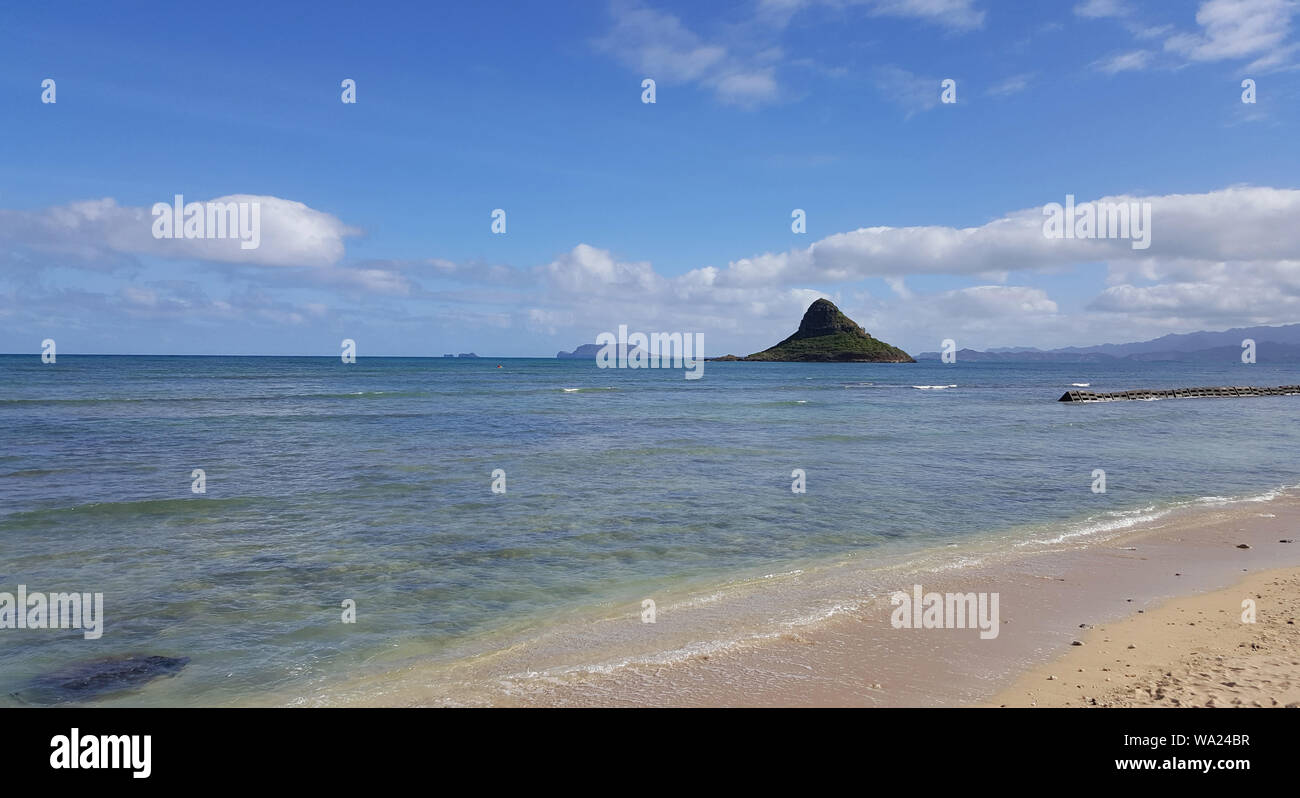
{"points": [[1272, 345]]}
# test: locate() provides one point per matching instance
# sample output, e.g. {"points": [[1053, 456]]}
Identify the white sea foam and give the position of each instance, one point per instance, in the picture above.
{"points": [[695, 601], [795, 572], [1124, 519], [933, 387], [960, 562], [1110, 522], [662, 658], [774, 628], [825, 614], [1081, 384]]}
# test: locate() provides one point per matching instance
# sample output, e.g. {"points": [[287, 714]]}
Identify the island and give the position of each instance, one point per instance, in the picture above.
{"points": [[590, 351], [826, 335]]}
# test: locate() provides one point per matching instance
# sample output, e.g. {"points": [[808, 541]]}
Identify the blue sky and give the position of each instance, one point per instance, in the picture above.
{"points": [[672, 216]]}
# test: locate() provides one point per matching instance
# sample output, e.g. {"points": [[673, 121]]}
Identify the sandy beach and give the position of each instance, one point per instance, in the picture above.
{"points": [[1189, 651], [1157, 609]]}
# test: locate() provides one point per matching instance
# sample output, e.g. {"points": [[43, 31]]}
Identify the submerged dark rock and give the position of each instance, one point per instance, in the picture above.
{"points": [[84, 681], [826, 335]]}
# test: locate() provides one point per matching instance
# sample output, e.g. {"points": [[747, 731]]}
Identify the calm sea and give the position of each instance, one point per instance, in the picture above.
{"points": [[372, 482]]}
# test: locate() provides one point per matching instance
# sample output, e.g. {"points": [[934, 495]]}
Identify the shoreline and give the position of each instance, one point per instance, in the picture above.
{"points": [[852, 655]]}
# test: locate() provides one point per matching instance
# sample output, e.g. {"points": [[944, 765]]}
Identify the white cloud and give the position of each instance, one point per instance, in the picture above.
{"points": [[1124, 62], [550, 321], [591, 271], [1233, 29], [1216, 259], [899, 286], [1098, 9], [659, 46], [1233, 294], [913, 92], [747, 87], [1141, 31], [1011, 85], [1240, 223], [956, 14], [374, 281], [292, 234], [739, 62], [1221, 257], [777, 13], [995, 301]]}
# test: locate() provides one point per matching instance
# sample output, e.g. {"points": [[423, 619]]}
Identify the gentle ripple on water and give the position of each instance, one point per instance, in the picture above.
{"points": [[372, 482]]}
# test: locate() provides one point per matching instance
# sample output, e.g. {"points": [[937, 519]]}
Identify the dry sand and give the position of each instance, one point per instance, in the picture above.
{"points": [[1165, 587], [1189, 651]]}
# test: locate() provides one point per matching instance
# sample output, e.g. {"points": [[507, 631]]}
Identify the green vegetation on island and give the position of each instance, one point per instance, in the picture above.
{"points": [[826, 335]]}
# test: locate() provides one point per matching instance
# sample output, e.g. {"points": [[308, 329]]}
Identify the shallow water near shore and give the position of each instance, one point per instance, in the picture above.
{"points": [[372, 482], [823, 635]]}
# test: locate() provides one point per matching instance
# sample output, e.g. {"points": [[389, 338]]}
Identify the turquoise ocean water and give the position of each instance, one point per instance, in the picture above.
{"points": [[372, 482]]}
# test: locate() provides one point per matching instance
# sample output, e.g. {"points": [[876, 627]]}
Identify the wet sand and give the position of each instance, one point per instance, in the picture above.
{"points": [[1049, 596]]}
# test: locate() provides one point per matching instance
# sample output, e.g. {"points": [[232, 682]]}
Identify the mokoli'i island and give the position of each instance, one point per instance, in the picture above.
{"points": [[826, 335]]}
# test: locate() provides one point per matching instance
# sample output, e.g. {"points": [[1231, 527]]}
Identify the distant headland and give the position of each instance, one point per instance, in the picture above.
{"points": [[589, 352], [826, 335]]}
